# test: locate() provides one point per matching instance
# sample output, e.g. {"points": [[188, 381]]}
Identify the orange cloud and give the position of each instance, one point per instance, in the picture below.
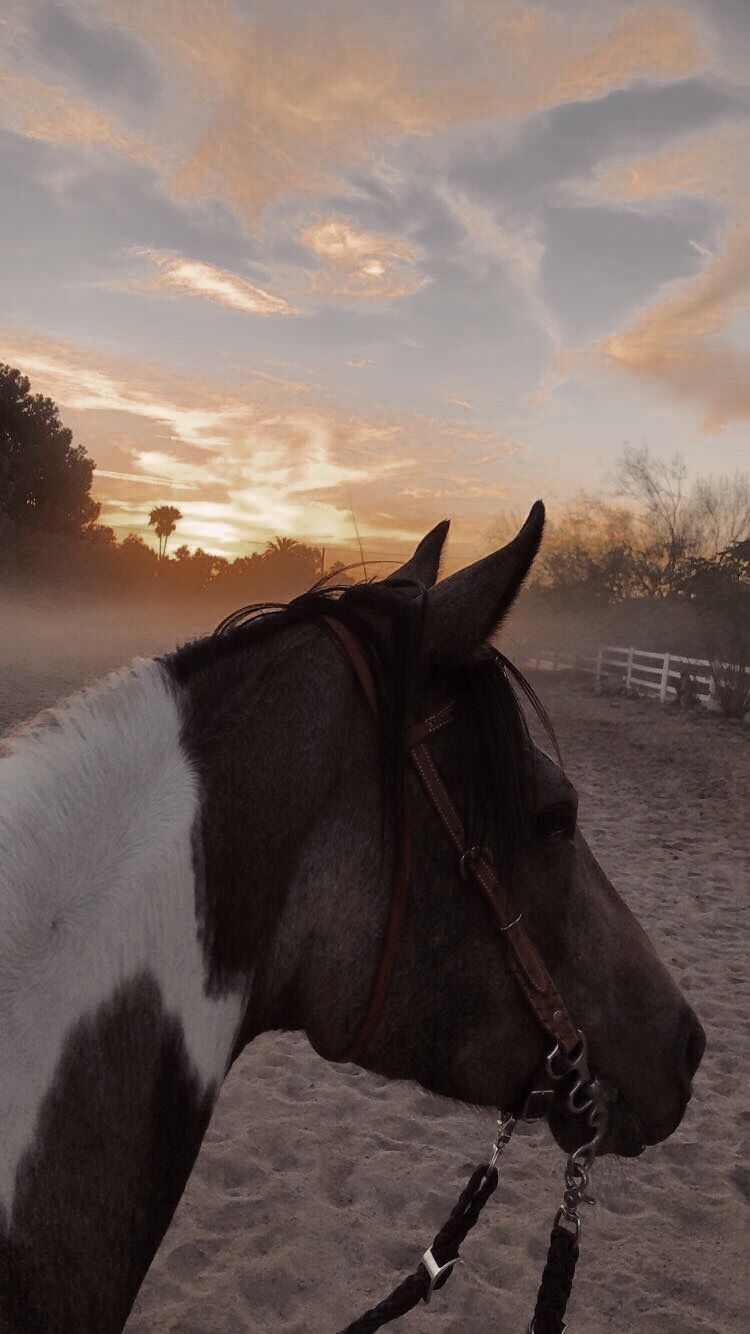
{"points": [[712, 163], [191, 277], [550, 59], [677, 342], [245, 465], [680, 340], [256, 107], [140, 477], [360, 264], [44, 111]]}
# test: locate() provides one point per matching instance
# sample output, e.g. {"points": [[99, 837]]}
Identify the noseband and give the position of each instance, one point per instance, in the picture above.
{"points": [[526, 963]]}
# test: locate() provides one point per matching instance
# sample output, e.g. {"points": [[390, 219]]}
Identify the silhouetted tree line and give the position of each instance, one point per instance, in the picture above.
{"points": [[669, 572], [50, 534]]}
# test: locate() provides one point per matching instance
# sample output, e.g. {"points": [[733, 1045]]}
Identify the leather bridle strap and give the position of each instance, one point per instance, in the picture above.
{"points": [[525, 961]]}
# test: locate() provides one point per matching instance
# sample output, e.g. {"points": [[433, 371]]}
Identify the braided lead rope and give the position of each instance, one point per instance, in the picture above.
{"points": [[557, 1283], [587, 1097], [438, 1262], [420, 1285]]}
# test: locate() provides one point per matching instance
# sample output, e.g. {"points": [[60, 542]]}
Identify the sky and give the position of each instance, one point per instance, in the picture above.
{"points": [[282, 263]]}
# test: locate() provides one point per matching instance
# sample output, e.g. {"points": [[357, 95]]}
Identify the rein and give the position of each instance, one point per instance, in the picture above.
{"points": [[566, 1065]]}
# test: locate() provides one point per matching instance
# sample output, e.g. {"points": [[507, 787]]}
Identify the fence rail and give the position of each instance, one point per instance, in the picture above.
{"points": [[636, 669]]}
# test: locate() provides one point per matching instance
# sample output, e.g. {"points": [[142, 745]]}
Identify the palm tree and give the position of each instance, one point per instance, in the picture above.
{"points": [[164, 519], [281, 546]]}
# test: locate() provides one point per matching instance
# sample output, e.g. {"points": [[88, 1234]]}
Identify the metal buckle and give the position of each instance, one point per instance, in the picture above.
{"points": [[538, 1111], [472, 855], [436, 1271]]}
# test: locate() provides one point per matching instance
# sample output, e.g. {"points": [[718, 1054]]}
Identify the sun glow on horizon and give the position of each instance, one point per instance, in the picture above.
{"points": [[412, 261]]}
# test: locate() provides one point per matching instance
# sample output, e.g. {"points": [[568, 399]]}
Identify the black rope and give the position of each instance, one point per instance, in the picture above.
{"points": [[557, 1281], [445, 1247]]}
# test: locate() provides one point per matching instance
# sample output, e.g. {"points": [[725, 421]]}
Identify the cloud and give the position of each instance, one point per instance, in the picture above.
{"points": [[283, 102], [677, 341], [570, 57], [140, 477], [191, 277], [360, 265], [245, 464], [518, 248], [253, 107], [503, 449], [86, 388], [710, 164], [43, 111], [289, 386]]}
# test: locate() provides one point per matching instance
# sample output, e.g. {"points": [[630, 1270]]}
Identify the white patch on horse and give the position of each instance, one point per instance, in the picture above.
{"points": [[97, 805]]}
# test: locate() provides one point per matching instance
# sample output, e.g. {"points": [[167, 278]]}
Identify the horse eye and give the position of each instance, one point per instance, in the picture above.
{"points": [[556, 822]]}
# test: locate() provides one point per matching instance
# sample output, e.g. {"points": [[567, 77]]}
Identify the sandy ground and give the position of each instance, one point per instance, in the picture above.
{"points": [[319, 1186]]}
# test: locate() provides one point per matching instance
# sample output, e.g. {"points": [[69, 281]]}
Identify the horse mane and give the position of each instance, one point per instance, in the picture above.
{"points": [[387, 619]]}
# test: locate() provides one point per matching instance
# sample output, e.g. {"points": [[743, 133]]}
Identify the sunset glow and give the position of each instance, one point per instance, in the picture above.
{"points": [[281, 264]]}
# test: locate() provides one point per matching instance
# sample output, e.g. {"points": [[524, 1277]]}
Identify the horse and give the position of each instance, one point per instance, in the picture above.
{"points": [[203, 848]]}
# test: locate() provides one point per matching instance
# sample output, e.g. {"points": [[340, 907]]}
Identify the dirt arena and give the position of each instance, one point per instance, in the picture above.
{"points": [[319, 1186]]}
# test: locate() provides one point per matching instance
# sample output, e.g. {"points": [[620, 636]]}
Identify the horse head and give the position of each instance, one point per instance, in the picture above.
{"points": [[452, 1015]]}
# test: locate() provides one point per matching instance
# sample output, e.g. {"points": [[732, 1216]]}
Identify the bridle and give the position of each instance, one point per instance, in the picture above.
{"points": [[565, 1071], [526, 963]]}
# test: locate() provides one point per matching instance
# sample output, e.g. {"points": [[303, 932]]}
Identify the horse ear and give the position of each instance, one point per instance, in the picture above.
{"points": [[465, 609], [424, 565]]}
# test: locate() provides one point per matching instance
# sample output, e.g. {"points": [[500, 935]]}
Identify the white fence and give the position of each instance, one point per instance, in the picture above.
{"points": [[635, 670]]}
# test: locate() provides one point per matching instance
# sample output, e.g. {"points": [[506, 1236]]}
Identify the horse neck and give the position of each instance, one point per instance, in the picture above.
{"points": [[112, 1043], [266, 747]]}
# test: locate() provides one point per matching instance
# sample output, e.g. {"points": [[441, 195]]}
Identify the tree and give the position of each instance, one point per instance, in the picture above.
{"points": [[194, 570], [136, 563], [164, 519], [720, 591], [289, 565], [671, 537], [45, 481], [722, 509], [286, 547]]}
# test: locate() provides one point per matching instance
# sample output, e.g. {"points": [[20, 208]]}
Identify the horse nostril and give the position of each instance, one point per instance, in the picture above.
{"points": [[695, 1047]]}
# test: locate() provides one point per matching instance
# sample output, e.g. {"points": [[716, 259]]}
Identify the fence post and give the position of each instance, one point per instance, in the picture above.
{"points": [[598, 676], [629, 672], [664, 687]]}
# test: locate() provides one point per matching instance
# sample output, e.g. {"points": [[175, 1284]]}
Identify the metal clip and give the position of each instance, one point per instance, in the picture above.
{"points": [[505, 1128], [436, 1271]]}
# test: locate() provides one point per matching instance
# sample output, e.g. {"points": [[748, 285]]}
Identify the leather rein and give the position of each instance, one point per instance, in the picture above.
{"points": [[524, 959]]}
